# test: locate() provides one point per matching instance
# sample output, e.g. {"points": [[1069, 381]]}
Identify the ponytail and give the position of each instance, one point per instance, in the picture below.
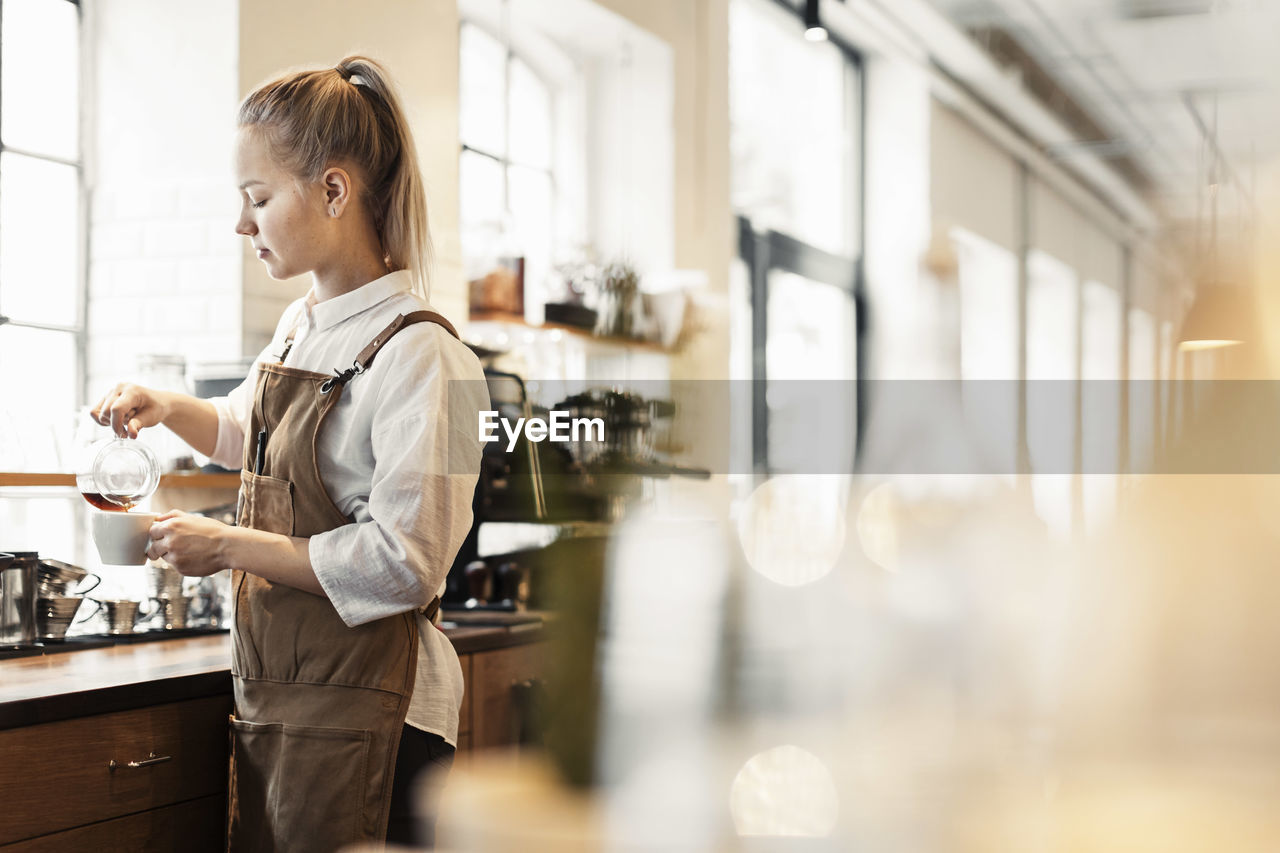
{"points": [[351, 113]]}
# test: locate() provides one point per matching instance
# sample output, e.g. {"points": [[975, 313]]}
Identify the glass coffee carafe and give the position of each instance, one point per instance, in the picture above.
{"points": [[113, 474]]}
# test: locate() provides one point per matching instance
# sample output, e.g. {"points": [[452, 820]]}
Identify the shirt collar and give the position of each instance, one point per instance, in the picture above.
{"points": [[333, 311]]}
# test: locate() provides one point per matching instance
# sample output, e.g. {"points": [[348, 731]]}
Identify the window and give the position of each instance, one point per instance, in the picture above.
{"points": [[1143, 391], [1052, 368], [989, 346], [41, 276], [795, 124], [795, 129], [508, 205], [1101, 362]]}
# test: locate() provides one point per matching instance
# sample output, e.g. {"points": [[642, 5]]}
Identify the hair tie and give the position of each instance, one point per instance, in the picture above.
{"points": [[343, 72]]}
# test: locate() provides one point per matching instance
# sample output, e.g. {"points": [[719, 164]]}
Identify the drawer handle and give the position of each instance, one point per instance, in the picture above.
{"points": [[151, 759]]}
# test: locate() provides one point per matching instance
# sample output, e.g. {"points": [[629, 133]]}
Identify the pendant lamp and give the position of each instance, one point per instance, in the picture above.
{"points": [[1220, 315], [813, 29], [1218, 318]]}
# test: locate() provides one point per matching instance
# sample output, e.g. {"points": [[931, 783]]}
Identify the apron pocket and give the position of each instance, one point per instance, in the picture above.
{"points": [[266, 503], [296, 787]]}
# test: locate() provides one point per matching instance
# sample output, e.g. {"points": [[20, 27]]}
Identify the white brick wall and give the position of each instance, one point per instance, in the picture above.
{"points": [[158, 281], [165, 267], [161, 239]]}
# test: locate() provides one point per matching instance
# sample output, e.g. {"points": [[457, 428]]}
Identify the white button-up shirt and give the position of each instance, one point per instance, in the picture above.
{"points": [[390, 459]]}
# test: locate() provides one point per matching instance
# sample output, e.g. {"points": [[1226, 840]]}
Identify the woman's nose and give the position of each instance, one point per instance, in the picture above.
{"points": [[245, 226]]}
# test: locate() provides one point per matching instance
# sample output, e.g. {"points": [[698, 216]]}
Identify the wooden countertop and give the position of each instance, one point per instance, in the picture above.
{"points": [[44, 688], [97, 681]]}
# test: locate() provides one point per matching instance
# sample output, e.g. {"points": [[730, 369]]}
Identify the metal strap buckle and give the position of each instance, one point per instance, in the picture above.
{"points": [[341, 377]]}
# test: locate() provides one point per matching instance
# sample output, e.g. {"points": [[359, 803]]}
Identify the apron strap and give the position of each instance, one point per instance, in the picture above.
{"points": [[365, 358], [288, 345], [432, 610]]}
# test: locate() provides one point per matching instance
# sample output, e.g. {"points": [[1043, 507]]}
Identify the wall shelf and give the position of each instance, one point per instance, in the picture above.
{"points": [[516, 327], [195, 480]]}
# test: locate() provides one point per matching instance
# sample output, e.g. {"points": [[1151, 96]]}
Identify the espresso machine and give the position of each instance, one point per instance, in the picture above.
{"points": [[572, 489], [534, 483]]}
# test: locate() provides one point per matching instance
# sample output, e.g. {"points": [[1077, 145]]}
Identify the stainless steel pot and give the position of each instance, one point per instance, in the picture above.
{"points": [[17, 599], [166, 582], [172, 612], [122, 614]]}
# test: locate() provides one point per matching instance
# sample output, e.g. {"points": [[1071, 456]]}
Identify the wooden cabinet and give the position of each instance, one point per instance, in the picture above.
{"points": [[500, 685], [153, 778], [195, 826], [67, 786]]}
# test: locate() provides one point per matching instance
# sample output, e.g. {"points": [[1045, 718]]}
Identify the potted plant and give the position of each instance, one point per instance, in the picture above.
{"points": [[618, 285]]}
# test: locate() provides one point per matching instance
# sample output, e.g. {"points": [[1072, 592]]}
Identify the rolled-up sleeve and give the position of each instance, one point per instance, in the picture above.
{"points": [[419, 507]]}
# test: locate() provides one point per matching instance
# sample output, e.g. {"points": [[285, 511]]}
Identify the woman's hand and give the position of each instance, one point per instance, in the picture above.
{"points": [[128, 409], [198, 546], [191, 544]]}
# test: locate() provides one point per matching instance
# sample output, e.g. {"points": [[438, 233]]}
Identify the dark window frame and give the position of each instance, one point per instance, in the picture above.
{"points": [[765, 251]]}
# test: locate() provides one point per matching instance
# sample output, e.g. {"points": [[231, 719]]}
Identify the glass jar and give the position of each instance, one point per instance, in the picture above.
{"points": [[165, 372]]}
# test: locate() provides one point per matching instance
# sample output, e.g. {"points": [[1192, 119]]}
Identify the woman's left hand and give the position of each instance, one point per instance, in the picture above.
{"points": [[191, 544]]}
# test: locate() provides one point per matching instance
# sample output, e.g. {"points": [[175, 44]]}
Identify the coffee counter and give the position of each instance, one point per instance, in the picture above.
{"points": [[137, 731], [50, 687]]}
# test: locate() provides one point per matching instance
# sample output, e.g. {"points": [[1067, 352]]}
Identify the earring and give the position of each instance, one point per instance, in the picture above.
{"points": [[333, 211]]}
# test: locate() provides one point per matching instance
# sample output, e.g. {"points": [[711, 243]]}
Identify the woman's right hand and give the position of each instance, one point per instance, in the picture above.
{"points": [[129, 408]]}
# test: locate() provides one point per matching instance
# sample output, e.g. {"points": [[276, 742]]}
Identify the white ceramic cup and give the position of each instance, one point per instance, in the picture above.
{"points": [[122, 537]]}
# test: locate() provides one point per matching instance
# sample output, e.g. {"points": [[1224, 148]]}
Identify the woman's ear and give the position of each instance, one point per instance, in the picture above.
{"points": [[337, 190]]}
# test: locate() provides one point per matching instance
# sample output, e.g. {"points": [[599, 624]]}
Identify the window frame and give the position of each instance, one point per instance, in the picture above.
{"points": [[764, 252], [503, 158], [79, 330]]}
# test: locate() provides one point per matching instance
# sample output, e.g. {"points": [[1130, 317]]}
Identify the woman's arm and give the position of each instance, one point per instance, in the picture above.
{"points": [[426, 460], [129, 408]]}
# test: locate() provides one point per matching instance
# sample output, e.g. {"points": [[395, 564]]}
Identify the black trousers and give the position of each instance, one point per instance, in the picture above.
{"points": [[414, 803]]}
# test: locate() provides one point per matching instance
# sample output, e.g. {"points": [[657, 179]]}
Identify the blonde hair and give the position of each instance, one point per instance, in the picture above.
{"points": [[314, 119]]}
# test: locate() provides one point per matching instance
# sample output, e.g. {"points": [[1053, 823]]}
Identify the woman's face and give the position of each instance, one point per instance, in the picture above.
{"points": [[283, 217]]}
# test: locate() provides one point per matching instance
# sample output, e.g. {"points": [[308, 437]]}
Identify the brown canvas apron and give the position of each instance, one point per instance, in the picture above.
{"points": [[319, 706]]}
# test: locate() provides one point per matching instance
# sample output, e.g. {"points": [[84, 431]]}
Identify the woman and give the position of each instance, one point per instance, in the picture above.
{"points": [[356, 485]]}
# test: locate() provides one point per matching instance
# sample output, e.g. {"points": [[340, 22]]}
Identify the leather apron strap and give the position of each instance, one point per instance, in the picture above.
{"points": [[319, 705]]}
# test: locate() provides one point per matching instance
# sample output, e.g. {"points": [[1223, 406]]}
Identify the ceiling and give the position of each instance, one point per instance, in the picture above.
{"points": [[1154, 86]]}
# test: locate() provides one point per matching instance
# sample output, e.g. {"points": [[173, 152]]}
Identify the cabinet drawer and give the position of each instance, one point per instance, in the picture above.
{"points": [[198, 826], [58, 775]]}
